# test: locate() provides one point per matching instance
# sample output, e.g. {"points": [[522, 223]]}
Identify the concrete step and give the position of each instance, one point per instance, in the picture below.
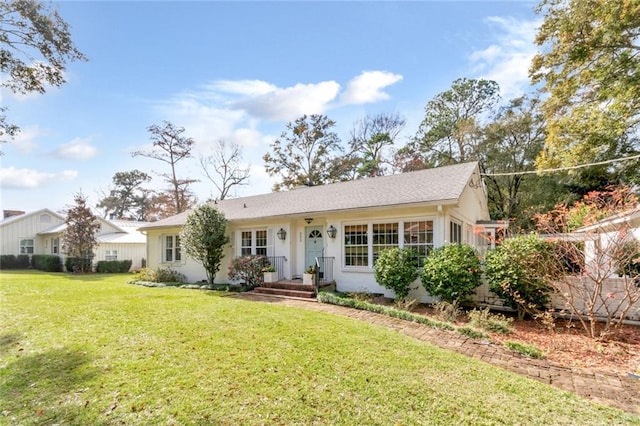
{"points": [[306, 294], [289, 285]]}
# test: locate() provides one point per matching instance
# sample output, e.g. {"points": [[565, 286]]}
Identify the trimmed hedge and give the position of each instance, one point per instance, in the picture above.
{"points": [[113, 266], [46, 262], [10, 261], [77, 264]]}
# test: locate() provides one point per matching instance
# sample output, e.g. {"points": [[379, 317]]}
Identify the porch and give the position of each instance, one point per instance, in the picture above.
{"points": [[295, 287]]}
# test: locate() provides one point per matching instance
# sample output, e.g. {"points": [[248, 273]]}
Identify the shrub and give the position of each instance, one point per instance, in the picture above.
{"points": [[77, 264], [396, 269], [406, 304], [8, 261], [451, 272], [47, 262], [169, 275], [517, 271], [146, 274], [471, 332], [113, 266], [23, 261], [446, 311], [525, 349], [248, 269], [491, 322]]}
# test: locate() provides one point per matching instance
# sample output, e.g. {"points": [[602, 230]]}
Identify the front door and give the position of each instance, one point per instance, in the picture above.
{"points": [[313, 246]]}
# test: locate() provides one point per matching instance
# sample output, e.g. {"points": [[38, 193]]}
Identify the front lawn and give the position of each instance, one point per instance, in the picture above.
{"points": [[93, 350]]}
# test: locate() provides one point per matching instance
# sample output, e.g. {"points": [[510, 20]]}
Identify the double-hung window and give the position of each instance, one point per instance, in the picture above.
{"points": [[111, 255], [356, 245], [172, 248], [455, 232], [55, 246], [418, 235], [253, 242], [385, 236], [26, 246]]}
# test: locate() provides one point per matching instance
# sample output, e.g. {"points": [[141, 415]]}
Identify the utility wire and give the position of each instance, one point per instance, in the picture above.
{"points": [[560, 169]]}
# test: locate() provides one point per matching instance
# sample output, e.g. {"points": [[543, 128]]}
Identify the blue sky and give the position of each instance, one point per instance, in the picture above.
{"points": [[239, 71]]}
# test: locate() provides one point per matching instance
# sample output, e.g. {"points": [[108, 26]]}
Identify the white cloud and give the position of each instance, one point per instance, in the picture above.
{"points": [[12, 177], [244, 87], [77, 149], [507, 60], [25, 140], [291, 102], [367, 87]]}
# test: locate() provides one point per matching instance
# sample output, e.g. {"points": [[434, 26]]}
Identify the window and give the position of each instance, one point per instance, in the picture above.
{"points": [[455, 232], [385, 235], [246, 243], [356, 245], [419, 237], [26, 246], [172, 248], [55, 246], [111, 255], [45, 218], [253, 242], [261, 242]]}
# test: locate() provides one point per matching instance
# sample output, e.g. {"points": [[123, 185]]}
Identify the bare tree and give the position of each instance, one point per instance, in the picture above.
{"points": [[371, 136], [170, 146], [223, 167]]}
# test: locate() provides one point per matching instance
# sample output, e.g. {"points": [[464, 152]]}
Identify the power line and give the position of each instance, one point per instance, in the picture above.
{"points": [[561, 169]]}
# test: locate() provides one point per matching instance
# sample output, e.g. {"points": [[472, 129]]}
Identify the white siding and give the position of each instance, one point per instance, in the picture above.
{"points": [[26, 226]]}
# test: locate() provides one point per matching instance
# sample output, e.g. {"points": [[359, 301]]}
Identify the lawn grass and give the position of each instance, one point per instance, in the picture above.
{"points": [[94, 350]]}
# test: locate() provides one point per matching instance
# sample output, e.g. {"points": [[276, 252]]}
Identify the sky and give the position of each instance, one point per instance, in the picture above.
{"points": [[240, 71]]}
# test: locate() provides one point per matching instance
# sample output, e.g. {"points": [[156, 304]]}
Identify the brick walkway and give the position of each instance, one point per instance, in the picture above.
{"points": [[615, 390]]}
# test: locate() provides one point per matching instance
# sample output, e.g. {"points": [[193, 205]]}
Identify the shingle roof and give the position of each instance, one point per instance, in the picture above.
{"points": [[439, 185]]}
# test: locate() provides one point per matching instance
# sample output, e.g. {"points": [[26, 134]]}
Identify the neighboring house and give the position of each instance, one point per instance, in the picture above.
{"points": [[40, 232], [343, 225]]}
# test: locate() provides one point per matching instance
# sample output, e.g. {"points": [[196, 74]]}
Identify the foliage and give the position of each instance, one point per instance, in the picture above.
{"points": [[160, 275], [448, 312], [451, 272], [35, 46], [46, 262], [170, 146], [371, 139], [224, 168], [312, 269], [485, 320], [607, 248], [128, 199], [449, 132], [79, 238], [113, 266], [471, 333], [518, 272], [11, 261], [77, 264], [203, 238], [248, 269], [291, 366], [269, 268], [395, 269], [406, 304], [589, 67], [525, 349], [305, 153]]}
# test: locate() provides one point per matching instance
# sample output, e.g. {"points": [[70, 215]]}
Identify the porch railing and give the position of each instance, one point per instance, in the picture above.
{"points": [[325, 269], [278, 263]]}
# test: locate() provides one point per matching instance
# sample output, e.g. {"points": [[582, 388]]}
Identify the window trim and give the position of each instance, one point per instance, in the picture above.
{"points": [[459, 224], [26, 246], [176, 249], [111, 253], [253, 248], [55, 245]]}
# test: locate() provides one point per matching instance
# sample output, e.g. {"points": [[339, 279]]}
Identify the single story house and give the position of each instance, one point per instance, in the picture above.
{"points": [[344, 226], [40, 232]]}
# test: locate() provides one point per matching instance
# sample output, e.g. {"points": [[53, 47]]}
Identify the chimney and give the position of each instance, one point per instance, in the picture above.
{"points": [[6, 214]]}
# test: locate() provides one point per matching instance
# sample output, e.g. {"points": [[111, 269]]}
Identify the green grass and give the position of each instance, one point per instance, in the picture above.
{"points": [[94, 350]]}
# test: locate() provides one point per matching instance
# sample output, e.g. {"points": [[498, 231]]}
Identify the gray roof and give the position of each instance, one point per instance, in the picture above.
{"points": [[442, 185]]}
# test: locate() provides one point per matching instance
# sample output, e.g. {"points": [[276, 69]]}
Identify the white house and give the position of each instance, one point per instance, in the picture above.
{"points": [[40, 232], [343, 225]]}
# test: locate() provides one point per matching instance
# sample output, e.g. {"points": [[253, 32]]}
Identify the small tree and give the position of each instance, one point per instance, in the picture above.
{"points": [[203, 238], [518, 271], [451, 272], [79, 239], [396, 269], [248, 269]]}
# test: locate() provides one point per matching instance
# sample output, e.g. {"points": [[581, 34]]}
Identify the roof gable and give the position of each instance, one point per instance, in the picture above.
{"points": [[14, 219], [442, 185]]}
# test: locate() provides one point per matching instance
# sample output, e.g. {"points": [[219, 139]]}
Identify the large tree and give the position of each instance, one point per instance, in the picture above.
{"points": [[35, 46], [450, 131], [305, 153], [127, 199], [79, 238], [224, 167], [371, 140], [589, 67], [170, 146], [203, 238]]}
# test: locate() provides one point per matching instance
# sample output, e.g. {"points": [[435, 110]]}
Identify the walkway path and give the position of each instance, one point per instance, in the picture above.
{"points": [[615, 390]]}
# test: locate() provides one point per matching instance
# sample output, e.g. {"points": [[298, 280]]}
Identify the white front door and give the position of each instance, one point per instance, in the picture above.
{"points": [[314, 246]]}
